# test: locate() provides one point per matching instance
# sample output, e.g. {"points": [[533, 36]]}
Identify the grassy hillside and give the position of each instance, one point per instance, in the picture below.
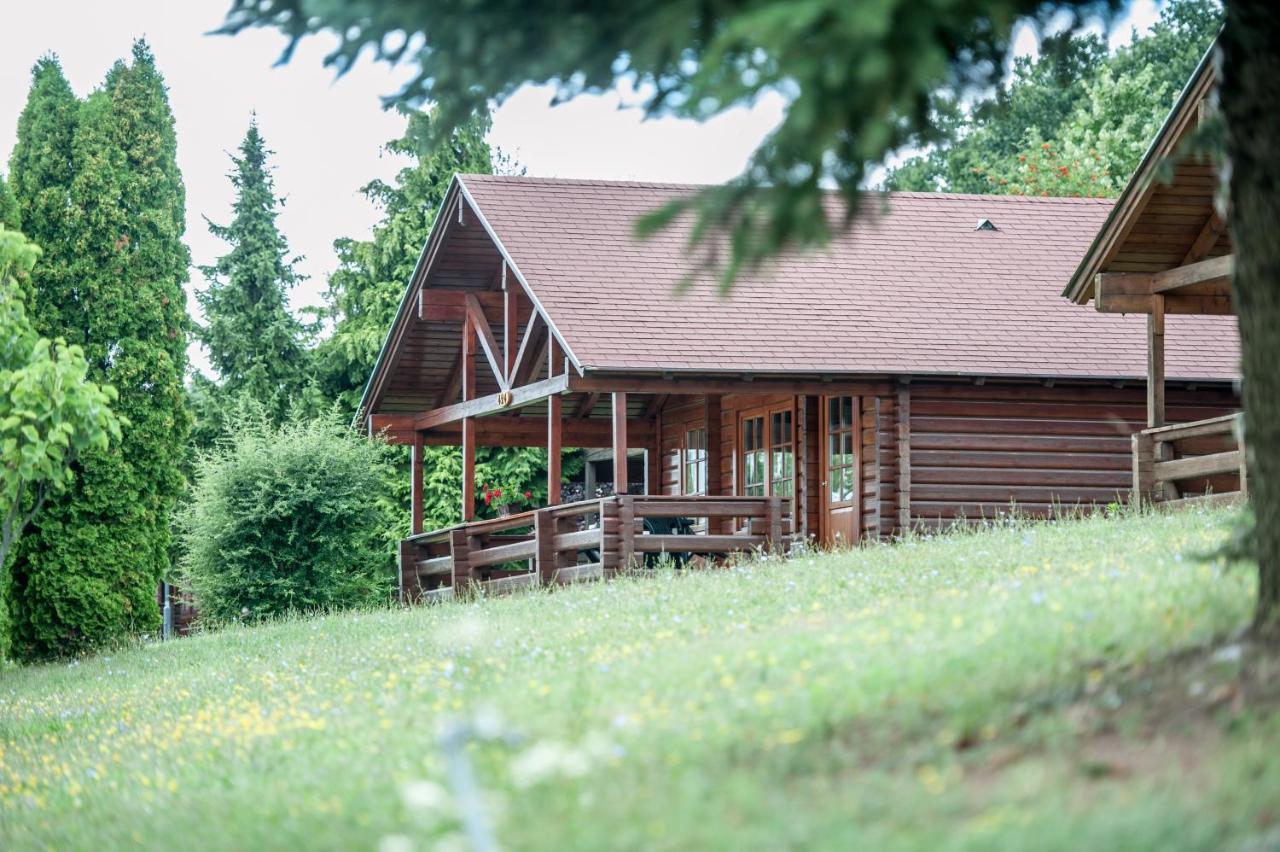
{"points": [[1023, 687]]}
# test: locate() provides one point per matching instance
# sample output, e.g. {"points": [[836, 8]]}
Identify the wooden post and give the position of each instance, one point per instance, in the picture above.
{"points": [[904, 458], [468, 425], [1143, 468], [609, 535], [510, 325], [715, 473], [1238, 429], [544, 533], [800, 505], [555, 421], [1155, 362], [626, 532], [415, 498], [460, 548], [408, 552], [619, 443], [773, 522]]}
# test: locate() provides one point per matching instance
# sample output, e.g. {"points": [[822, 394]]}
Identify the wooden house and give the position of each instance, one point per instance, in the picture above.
{"points": [[920, 370], [1165, 253]]}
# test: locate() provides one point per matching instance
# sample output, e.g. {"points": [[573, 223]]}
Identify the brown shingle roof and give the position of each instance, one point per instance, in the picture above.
{"points": [[915, 290]]}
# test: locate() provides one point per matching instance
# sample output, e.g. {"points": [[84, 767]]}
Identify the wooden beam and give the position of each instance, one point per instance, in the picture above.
{"points": [[509, 431], [1133, 293], [654, 408], [1207, 238], [555, 427], [529, 356], [510, 327], [435, 305], [1215, 271], [697, 385], [711, 422], [467, 362], [416, 461], [619, 443], [1155, 363], [480, 323], [468, 469], [588, 402], [491, 404]]}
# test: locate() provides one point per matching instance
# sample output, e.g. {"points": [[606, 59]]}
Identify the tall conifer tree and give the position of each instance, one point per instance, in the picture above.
{"points": [[40, 173], [9, 216], [86, 574], [256, 345]]}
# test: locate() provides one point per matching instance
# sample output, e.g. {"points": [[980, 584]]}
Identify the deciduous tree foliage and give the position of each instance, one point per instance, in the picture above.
{"points": [[860, 79], [86, 574], [255, 344], [1094, 110], [50, 412]]}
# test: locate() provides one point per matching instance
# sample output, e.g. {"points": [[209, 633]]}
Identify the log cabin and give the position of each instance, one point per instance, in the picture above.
{"points": [[920, 370], [1165, 253]]}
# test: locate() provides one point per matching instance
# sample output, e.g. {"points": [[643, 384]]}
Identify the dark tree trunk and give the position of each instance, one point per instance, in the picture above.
{"points": [[1250, 96]]}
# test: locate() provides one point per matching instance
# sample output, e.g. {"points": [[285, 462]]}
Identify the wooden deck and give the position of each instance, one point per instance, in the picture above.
{"points": [[587, 540], [1201, 461]]}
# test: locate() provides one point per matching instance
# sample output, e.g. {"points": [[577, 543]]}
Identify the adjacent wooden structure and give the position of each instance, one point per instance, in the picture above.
{"points": [[1166, 251]]}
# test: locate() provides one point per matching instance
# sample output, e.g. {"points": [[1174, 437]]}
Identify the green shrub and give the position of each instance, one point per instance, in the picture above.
{"points": [[294, 518]]}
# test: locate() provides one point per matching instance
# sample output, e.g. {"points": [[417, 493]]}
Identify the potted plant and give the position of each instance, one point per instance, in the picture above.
{"points": [[501, 498]]}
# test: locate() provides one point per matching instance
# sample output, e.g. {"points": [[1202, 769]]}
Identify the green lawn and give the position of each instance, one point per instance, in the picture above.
{"points": [[1005, 689]]}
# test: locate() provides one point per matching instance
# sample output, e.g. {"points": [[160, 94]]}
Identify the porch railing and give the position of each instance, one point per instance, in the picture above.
{"points": [[586, 540], [1202, 461]]}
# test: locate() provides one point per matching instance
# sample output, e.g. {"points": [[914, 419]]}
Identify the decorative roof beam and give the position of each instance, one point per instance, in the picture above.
{"points": [[505, 400], [485, 335]]}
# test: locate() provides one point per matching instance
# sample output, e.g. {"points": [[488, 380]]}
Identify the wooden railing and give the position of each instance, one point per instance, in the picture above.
{"points": [[586, 540], [1191, 462]]}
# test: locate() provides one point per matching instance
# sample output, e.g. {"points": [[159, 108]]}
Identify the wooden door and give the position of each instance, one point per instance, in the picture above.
{"points": [[840, 485]]}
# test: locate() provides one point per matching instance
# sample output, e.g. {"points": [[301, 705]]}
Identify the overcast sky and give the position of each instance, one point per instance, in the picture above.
{"points": [[327, 133]]}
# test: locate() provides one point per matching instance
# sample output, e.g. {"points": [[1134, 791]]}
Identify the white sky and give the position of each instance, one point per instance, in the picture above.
{"points": [[327, 133]]}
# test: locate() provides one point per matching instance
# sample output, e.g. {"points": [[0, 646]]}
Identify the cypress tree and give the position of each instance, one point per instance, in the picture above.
{"points": [[40, 172], [256, 345], [86, 575]]}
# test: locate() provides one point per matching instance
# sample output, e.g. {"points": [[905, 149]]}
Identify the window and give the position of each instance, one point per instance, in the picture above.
{"points": [[841, 460], [753, 457], [768, 454], [781, 455], [695, 462]]}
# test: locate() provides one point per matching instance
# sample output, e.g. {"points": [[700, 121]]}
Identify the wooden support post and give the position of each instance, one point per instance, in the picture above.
{"points": [[408, 556], [468, 425], [626, 532], [1144, 474], [1240, 445], [716, 475], [609, 534], [544, 533], [1155, 362], [773, 522], [460, 549], [510, 327], [799, 506], [555, 423], [904, 458], [619, 443], [415, 487]]}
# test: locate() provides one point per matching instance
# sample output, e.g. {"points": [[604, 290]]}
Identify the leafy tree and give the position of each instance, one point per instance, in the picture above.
{"points": [[288, 518], [50, 412], [86, 574], [860, 79], [257, 347], [9, 215]]}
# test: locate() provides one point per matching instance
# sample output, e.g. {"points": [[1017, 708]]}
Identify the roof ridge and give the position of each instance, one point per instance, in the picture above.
{"points": [[908, 194]]}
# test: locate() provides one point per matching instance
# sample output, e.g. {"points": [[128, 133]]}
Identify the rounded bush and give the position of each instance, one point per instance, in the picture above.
{"points": [[288, 519]]}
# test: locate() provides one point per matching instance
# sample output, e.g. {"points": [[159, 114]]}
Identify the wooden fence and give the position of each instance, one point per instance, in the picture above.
{"points": [[1191, 462], [586, 540]]}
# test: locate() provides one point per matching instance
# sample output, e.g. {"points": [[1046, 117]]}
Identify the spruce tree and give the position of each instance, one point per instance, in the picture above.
{"points": [[86, 575], [255, 344]]}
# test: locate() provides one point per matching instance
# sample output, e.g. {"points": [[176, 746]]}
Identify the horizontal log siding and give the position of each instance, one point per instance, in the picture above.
{"points": [[879, 467], [974, 449], [680, 414]]}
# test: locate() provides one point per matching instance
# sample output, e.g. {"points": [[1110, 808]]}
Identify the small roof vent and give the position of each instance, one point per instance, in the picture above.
{"points": [[985, 225]]}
